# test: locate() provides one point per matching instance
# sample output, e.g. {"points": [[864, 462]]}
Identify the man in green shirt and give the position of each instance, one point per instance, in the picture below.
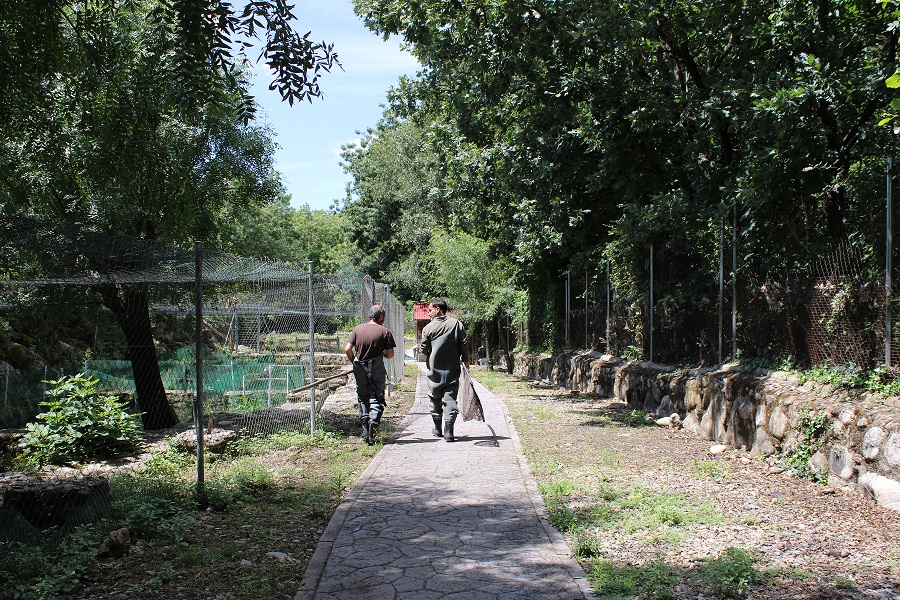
{"points": [[444, 347]]}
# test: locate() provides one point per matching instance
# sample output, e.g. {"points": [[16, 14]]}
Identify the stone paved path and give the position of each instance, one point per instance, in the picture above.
{"points": [[434, 520]]}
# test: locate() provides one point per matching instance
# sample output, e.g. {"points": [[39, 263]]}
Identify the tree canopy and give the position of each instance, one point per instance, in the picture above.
{"points": [[567, 134], [132, 117]]}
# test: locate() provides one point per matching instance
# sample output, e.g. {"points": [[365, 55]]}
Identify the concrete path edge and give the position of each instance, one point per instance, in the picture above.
{"points": [[537, 501]]}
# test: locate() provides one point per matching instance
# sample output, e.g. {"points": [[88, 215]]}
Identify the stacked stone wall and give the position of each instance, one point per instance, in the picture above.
{"points": [[752, 409]]}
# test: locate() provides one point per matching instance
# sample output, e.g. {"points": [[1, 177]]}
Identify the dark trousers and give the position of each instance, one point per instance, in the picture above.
{"points": [[443, 401], [370, 381]]}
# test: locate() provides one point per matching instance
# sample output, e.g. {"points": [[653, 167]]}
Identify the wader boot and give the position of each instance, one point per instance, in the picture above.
{"points": [[448, 429], [371, 431], [436, 430]]}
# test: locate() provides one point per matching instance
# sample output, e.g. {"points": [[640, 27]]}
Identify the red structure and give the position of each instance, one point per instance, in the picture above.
{"points": [[420, 315]]}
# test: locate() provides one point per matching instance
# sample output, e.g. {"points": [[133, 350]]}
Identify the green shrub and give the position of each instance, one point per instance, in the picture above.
{"points": [[79, 423], [585, 544], [34, 574], [730, 575], [150, 502]]}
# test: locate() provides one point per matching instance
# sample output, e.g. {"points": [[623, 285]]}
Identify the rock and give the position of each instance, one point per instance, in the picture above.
{"points": [[215, 442], [885, 491], [871, 443], [840, 462], [712, 425], [717, 448], [691, 424], [665, 406], [892, 450], [280, 557], [673, 421], [818, 463], [246, 563], [17, 356], [779, 424], [49, 502], [862, 423], [763, 445], [775, 470], [115, 545], [847, 416]]}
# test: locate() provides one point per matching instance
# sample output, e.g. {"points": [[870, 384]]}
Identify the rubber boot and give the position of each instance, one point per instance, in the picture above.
{"points": [[371, 431], [448, 430], [436, 430], [365, 427]]}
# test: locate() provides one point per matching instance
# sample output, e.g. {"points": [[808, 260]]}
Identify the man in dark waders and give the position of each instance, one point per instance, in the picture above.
{"points": [[373, 343], [444, 346]]}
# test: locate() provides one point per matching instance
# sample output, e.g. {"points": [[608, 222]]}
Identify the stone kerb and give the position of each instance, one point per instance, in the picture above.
{"points": [[756, 410]]}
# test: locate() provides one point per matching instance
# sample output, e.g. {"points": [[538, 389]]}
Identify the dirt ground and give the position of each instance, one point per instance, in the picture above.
{"points": [[809, 540]]}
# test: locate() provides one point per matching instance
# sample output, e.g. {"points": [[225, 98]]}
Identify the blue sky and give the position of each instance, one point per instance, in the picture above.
{"points": [[310, 136]]}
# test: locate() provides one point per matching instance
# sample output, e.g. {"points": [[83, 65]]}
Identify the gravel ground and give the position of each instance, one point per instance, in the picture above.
{"points": [[809, 540]]}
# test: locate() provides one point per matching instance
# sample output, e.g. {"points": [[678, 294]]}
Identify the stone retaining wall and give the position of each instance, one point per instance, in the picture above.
{"points": [[755, 410]]}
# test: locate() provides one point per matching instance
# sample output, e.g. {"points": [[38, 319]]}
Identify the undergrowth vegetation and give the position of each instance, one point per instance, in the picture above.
{"points": [[77, 422], [265, 494], [812, 430], [851, 376], [167, 519]]}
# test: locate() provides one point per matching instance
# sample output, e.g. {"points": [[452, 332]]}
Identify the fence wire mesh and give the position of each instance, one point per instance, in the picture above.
{"points": [[99, 369], [834, 314]]}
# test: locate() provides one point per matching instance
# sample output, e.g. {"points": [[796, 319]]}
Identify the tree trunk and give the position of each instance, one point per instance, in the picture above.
{"points": [[132, 312]]}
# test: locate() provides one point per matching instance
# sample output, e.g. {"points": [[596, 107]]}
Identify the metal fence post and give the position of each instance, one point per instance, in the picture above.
{"points": [[721, 284], [608, 305], [6, 388], [587, 337], [269, 387], [198, 395], [734, 282], [312, 356], [651, 302], [568, 304], [887, 269], [388, 323]]}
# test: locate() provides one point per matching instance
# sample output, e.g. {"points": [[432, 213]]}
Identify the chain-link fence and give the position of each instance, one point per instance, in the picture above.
{"points": [[832, 314], [115, 351]]}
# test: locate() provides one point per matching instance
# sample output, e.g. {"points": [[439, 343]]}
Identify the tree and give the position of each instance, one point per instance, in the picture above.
{"points": [[391, 203], [100, 134], [201, 37], [568, 132]]}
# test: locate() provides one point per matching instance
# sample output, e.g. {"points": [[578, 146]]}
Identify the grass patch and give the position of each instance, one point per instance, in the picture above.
{"points": [[731, 574], [711, 469], [654, 580], [542, 412]]}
